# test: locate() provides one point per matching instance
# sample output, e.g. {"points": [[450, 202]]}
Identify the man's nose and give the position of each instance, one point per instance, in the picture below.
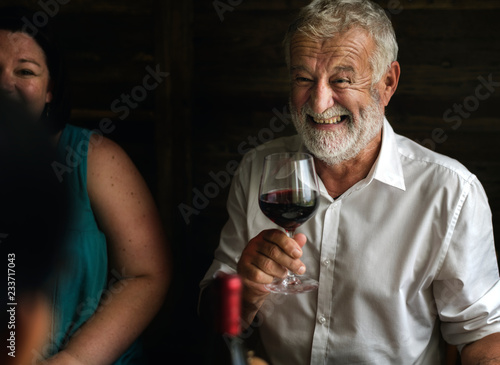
{"points": [[321, 97]]}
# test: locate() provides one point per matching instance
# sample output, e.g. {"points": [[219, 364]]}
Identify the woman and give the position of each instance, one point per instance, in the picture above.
{"points": [[115, 269]]}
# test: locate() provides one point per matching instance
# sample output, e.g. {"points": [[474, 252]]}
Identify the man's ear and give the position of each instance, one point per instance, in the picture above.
{"points": [[389, 82]]}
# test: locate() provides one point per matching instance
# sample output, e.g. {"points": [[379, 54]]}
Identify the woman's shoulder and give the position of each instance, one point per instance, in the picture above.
{"points": [[109, 166], [104, 154]]}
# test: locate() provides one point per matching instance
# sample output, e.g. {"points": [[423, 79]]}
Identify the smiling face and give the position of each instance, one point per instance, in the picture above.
{"points": [[335, 107], [24, 75]]}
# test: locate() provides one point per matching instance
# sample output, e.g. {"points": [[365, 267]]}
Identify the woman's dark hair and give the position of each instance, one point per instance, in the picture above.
{"points": [[19, 19]]}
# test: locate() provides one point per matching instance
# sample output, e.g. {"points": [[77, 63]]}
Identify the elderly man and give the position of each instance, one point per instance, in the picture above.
{"points": [[402, 242]]}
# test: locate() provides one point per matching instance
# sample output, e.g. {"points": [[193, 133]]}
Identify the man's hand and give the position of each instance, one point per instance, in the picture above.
{"points": [[268, 255]]}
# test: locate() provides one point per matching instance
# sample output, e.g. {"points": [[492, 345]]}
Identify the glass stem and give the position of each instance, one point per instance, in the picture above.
{"points": [[291, 277]]}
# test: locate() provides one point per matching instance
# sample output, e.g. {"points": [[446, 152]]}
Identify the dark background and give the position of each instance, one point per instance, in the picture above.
{"points": [[227, 78]]}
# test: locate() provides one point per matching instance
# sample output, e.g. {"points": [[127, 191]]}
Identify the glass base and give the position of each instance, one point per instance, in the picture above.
{"points": [[292, 285]]}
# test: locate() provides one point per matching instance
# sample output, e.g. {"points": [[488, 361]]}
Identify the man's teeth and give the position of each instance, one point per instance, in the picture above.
{"points": [[333, 120]]}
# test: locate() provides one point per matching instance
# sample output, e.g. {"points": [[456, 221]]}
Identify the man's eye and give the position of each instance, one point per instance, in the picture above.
{"points": [[341, 82], [302, 80]]}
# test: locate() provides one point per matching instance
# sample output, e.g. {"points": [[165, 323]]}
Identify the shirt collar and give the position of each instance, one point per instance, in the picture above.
{"points": [[387, 168]]}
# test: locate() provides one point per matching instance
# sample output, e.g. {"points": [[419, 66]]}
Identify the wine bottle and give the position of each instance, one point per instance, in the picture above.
{"points": [[228, 314], [227, 310]]}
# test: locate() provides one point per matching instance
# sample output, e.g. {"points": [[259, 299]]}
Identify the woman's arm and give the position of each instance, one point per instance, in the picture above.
{"points": [[485, 351], [137, 247]]}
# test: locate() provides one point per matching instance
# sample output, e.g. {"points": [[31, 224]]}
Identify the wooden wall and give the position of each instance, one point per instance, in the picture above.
{"points": [[240, 80], [109, 48], [445, 48], [227, 80]]}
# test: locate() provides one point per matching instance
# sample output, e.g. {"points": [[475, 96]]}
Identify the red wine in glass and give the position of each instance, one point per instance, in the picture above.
{"points": [[287, 212], [289, 197]]}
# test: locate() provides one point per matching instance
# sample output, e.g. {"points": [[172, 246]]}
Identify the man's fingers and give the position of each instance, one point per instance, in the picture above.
{"points": [[274, 261], [270, 267], [288, 245], [269, 255], [260, 269], [301, 239]]}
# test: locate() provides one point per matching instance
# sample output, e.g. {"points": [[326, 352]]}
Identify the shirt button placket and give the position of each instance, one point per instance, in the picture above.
{"points": [[325, 294]]}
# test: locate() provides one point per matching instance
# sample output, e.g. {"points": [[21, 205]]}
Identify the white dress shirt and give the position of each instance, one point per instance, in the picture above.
{"points": [[403, 254]]}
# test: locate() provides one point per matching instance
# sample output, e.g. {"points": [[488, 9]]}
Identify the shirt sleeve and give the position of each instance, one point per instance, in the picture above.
{"points": [[467, 289]]}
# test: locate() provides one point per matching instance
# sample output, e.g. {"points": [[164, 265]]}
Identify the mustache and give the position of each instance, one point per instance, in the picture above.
{"points": [[327, 114]]}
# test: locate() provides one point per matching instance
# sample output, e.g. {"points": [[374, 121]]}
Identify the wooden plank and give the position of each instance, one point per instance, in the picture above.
{"points": [[401, 5], [173, 113], [426, 80], [93, 114], [109, 32], [442, 59], [395, 6], [450, 113], [85, 6]]}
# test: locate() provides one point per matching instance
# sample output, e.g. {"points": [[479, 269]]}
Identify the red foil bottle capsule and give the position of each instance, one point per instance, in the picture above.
{"points": [[228, 289]]}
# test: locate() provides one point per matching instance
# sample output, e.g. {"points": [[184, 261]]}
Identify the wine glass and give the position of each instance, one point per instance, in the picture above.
{"points": [[288, 196]]}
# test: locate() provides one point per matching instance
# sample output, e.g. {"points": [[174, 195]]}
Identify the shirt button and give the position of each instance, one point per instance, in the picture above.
{"points": [[322, 320], [326, 262]]}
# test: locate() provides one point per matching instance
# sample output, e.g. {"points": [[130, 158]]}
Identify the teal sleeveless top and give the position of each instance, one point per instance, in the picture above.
{"points": [[84, 278]]}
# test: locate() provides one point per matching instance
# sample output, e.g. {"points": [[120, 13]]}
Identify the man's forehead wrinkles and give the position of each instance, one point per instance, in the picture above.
{"points": [[314, 48], [341, 62], [325, 51]]}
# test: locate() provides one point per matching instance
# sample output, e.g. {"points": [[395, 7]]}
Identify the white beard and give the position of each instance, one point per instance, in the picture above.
{"points": [[344, 144]]}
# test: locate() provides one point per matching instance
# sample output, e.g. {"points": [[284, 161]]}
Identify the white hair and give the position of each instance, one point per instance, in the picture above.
{"points": [[322, 19]]}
